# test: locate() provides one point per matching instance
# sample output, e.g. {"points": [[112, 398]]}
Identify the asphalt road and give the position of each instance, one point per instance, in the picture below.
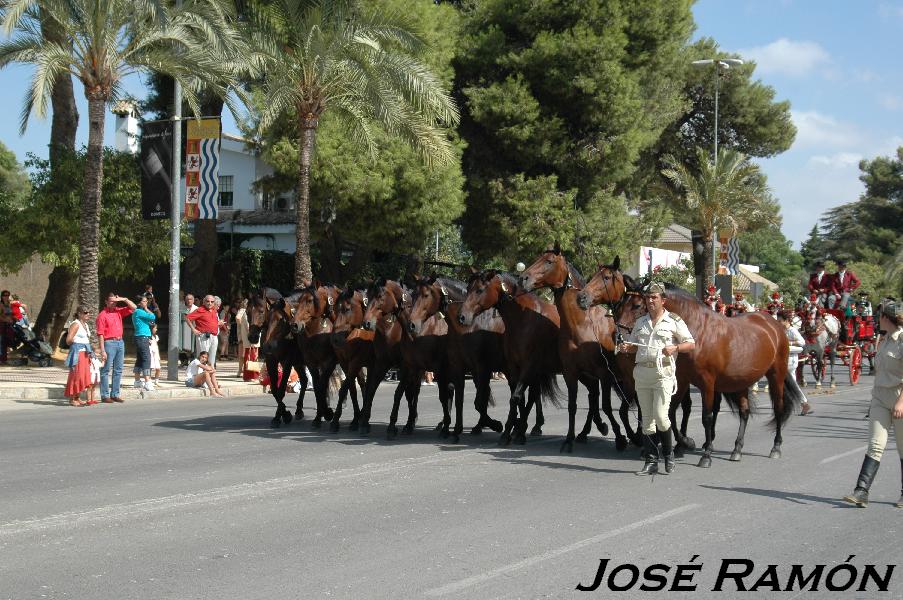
{"points": [[201, 499]]}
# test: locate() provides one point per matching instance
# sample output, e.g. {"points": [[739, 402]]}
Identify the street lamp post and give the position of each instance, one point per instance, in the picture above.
{"points": [[719, 64]]}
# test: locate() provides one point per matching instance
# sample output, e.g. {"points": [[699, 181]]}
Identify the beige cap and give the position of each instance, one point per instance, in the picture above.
{"points": [[654, 288]]}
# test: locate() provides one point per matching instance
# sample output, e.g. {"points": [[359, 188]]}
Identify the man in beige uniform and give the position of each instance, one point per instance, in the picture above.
{"points": [[886, 408], [656, 339]]}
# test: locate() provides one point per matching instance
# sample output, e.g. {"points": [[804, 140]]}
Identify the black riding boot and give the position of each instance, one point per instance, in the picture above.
{"points": [[651, 455], [860, 495], [900, 501], [667, 451]]}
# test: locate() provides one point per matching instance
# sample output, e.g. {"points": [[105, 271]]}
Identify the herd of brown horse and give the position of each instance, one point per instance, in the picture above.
{"points": [[495, 322]]}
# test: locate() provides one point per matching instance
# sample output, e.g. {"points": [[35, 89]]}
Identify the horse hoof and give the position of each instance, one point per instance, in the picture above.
{"points": [[620, 443], [477, 430], [353, 426], [603, 429], [455, 438], [299, 415], [407, 429], [567, 446], [775, 453], [365, 428], [520, 439], [496, 426], [537, 430], [328, 414], [582, 438], [735, 456], [334, 426], [286, 417], [705, 462], [391, 432], [689, 443], [276, 423]]}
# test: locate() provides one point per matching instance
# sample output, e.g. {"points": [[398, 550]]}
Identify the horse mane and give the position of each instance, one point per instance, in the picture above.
{"points": [[510, 279], [456, 290], [577, 279], [680, 293]]}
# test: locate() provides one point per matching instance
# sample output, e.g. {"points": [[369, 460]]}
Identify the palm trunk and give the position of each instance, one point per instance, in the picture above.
{"points": [[62, 283], [708, 256], [89, 237], [303, 270]]}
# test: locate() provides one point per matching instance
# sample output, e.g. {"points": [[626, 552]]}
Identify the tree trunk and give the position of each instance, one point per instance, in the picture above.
{"points": [[708, 256], [89, 238], [303, 270], [199, 267], [62, 283]]}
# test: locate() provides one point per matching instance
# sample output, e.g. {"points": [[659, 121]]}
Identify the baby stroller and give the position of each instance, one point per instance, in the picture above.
{"points": [[29, 347]]}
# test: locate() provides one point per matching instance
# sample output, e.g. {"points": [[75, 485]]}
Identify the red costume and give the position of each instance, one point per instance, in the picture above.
{"points": [[845, 282], [823, 284]]}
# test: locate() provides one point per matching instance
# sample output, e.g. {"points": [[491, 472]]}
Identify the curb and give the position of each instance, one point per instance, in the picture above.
{"points": [[31, 393]]}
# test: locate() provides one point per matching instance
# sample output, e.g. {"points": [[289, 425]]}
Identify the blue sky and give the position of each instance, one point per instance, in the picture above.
{"points": [[838, 62]]}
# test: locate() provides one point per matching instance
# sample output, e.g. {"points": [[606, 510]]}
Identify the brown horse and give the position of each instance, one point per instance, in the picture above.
{"points": [[586, 343], [531, 329], [731, 355], [477, 348], [387, 300], [353, 347], [312, 327], [270, 321]]}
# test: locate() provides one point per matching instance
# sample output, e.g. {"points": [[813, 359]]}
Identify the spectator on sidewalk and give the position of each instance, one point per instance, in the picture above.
{"points": [[225, 320], [201, 374], [204, 323], [186, 341], [112, 348], [79, 359], [6, 325], [155, 354], [20, 311], [142, 319], [247, 348]]}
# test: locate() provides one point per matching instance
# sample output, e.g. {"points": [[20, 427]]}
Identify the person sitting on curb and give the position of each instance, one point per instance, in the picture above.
{"points": [[201, 374]]}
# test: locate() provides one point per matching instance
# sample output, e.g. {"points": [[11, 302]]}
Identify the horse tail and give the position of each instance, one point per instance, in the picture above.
{"points": [[549, 390], [793, 400], [490, 401]]}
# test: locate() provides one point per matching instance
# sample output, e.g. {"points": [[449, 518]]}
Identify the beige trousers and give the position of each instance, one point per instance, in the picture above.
{"points": [[881, 419], [653, 390]]}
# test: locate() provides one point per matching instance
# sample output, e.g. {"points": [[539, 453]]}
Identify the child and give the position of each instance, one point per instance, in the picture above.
{"points": [[155, 354], [95, 376], [201, 374], [20, 312]]}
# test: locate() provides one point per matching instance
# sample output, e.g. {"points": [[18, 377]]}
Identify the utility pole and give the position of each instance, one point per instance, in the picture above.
{"points": [[175, 324]]}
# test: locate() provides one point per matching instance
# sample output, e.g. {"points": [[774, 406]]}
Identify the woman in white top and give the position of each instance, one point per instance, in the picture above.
{"points": [[79, 359], [247, 348], [200, 373]]}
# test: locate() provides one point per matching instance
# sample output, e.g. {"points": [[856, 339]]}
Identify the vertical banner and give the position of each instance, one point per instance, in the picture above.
{"points": [[202, 169], [156, 169], [729, 257]]}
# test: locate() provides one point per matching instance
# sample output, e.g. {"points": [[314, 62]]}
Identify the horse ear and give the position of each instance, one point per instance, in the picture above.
{"points": [[381, 282], [617, 263], [473, 270], [557, 247], [317, 284]]}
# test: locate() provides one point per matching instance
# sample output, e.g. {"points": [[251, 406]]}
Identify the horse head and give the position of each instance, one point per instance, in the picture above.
{"points": [[277, 327], [386, 300], [631, 307], [551, 269], [484, 291], [349, 310], [607, 286], [433, 297]]}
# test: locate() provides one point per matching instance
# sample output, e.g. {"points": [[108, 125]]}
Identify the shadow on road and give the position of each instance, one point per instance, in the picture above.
{"points": [[794, 497]]}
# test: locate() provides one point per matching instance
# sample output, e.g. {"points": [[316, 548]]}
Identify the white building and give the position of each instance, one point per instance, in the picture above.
{"points": [[244, 211]]}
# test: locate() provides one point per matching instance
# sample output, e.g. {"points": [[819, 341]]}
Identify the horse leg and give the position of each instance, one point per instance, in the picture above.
{"points": [[373, 381], [400, 388], [743, 406], [456, 391], [831, 363], [517, 391], [593, 407], [412, 394], [347, 385], [570, 379], [445, 402], [708, 423], [282, 413], [776, 391], [534, 394]]}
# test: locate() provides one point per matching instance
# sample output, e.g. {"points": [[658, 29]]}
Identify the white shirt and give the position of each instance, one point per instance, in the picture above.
{"points": [[194, 369], [795, 337], [669, 330], [81, 336]]}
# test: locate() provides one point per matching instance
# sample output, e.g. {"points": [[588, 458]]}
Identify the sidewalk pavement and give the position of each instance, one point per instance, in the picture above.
{"points": [[33, 387]]}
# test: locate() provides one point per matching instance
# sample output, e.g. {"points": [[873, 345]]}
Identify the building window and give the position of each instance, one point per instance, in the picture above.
{"points": [[225, 191]]}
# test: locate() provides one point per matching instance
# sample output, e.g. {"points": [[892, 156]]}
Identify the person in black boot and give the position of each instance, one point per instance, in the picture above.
{"points": [[667, 451], [860, 495], [886, 408], [650, 453], [900, 501], [657, 337]]}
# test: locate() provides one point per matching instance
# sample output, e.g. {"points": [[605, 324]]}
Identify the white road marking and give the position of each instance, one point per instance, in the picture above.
{"points": [[477, 579], [223, 494], [859, 450]]}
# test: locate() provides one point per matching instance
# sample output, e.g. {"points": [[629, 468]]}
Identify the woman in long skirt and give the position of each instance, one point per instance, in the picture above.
{"points": [[79, 359]]}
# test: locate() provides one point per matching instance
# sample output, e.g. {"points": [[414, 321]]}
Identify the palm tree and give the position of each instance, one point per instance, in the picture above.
{"points": [[729, 193], [361, 67], [101, 42]]}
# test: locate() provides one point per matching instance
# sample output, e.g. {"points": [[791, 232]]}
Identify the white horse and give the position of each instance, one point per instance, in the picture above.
{"points": [[822, 334]]}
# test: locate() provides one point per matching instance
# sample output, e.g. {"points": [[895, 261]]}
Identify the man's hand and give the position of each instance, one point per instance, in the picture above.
{"points": [[898, 409], [670, 350]]}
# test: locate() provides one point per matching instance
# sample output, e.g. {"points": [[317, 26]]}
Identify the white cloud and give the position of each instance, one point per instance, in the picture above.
{"points": [[839, 160], [787, 57], [890, 10], [814, 129], [891, 102]]}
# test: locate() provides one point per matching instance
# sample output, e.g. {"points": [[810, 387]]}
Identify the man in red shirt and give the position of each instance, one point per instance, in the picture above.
{"points": [[205, 324], [112, 348], [845, 283], [822, 284]]}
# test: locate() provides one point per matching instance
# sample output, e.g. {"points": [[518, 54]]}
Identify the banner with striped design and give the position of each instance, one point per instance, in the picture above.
{"points": [[202, 169], [729, 257]]}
